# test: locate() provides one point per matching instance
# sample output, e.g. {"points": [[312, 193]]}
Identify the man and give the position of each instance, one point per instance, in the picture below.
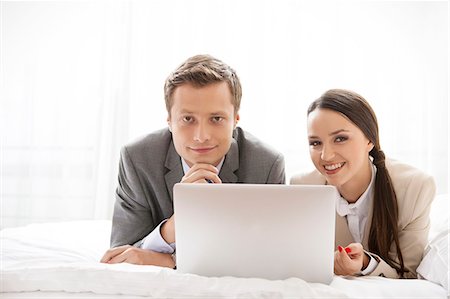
{"points": [[201, 145]]}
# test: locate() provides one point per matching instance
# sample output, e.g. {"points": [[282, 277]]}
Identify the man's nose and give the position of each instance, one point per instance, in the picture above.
{"points": [[202, 133]]}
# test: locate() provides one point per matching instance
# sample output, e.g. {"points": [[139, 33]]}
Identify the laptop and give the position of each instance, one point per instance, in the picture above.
{"points": [[252, 230]]}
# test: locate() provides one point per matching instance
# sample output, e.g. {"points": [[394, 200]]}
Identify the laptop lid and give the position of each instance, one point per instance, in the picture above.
{"points": [[249, 230]]}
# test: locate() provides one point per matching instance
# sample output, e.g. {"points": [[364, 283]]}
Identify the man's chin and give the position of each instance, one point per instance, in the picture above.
{"points": [[205, 161]]}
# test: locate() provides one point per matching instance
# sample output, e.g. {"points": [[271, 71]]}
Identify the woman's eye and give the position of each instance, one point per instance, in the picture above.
{"points": [[314, 143], [341, 138]]}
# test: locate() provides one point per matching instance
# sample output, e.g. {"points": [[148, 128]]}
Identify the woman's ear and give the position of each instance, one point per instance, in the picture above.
{"points": [[370, 146]]}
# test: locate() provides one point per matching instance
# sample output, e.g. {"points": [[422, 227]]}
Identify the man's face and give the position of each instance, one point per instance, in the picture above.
{"points": [[202, 120]]}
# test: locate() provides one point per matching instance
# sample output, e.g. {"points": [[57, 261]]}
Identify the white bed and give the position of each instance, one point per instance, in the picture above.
{"points": [[60, 260]]}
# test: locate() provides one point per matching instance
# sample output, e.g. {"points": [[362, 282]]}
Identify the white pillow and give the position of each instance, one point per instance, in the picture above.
{"points": [[439, 215], [434, 266]]}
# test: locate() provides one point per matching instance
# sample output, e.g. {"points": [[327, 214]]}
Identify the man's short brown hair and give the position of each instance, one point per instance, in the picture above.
{"points": [[201, 70]]}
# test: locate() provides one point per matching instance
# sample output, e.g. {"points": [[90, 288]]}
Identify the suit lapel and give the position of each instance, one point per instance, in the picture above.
{"points": [[173, 164], [175, 173], [230, 164]]}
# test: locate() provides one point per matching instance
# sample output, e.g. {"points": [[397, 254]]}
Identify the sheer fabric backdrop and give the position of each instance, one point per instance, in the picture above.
{"points": [[81, 79]]}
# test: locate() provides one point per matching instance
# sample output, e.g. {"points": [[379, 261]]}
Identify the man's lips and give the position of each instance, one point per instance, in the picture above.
{"points": [[202, 150]]}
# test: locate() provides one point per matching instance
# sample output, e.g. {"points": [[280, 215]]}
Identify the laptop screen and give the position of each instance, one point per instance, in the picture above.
{"points": [[249, 230]]}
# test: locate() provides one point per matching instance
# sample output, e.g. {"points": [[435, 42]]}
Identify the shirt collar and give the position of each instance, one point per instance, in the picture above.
{"points": [[360, 206]]}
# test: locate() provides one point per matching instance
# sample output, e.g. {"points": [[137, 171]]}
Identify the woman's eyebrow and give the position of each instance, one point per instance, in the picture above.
{"points": [[338, 131]]}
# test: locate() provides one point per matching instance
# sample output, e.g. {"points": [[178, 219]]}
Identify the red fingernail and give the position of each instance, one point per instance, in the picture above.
{"points": [[348, 250], [340, 248]]}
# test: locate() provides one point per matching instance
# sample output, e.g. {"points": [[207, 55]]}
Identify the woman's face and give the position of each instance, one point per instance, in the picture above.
{"points": [[338, 148]]}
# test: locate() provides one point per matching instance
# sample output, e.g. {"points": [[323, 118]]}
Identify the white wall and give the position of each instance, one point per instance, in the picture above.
{"points": [[80, 79]]}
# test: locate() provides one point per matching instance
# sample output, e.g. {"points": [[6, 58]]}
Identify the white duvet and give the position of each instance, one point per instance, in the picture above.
{"points": [[63, 257]]}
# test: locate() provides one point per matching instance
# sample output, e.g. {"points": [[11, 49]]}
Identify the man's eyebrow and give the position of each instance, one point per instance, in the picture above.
{"points": [[211, 113], [218, 113], [186, 111]]}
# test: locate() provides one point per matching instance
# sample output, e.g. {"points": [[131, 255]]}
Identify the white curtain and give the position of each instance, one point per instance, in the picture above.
{"points": [[64, 108], [81, 79]]}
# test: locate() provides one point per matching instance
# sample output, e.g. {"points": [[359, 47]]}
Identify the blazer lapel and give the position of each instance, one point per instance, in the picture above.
{"points": [[230, 164], [365, 240], [343, 236], [173, 164]]}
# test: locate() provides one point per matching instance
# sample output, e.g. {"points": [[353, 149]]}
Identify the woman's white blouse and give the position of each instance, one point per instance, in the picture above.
{"points": [[356, 214]]}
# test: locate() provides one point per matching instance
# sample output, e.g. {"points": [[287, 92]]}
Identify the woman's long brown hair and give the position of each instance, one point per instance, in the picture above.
{"points": [[384, 227]]}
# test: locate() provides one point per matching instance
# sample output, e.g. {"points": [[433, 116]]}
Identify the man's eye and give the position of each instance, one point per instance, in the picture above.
{"points": [[217, 119], [188, 119]]}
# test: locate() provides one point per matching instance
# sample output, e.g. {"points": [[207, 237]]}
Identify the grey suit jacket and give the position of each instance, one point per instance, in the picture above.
{"points": [[415, 192], [150, 167]]}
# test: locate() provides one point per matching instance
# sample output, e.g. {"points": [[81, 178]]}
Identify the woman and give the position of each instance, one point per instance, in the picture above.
{"points": [[382, 217]]}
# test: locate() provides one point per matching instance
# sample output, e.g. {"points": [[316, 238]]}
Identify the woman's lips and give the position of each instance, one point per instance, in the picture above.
{"points": [[333, 168]]}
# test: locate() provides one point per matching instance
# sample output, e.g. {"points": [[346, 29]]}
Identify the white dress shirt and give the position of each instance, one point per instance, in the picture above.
{"points": [[356, 214], [154, 241]]}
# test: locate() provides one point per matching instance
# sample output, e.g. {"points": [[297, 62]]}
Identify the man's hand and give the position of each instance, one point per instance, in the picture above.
{"points": [[138, 256], [350, 260], [199, 173]]}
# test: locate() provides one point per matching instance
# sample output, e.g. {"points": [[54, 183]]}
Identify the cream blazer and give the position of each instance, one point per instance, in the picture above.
{"points": [[415, 191]]}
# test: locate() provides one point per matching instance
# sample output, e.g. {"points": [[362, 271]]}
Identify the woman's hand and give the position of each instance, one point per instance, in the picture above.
{"points": [[350, 260]]}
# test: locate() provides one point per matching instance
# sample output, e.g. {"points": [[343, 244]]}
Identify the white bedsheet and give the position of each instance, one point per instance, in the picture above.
{"points": [[161, 283], [61, 260]]}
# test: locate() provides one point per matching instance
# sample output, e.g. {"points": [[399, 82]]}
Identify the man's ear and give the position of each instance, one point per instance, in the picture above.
{"points": [[236, 120], [169, 123]]}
